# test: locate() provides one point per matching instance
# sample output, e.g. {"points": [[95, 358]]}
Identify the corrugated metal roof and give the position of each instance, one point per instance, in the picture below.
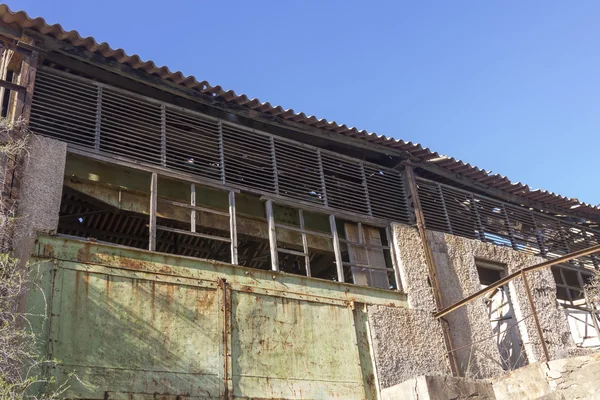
{"points": [[417, 151]]}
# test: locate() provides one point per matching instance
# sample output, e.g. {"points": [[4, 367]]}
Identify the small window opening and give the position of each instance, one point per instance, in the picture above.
{"points": [[501, 314]]}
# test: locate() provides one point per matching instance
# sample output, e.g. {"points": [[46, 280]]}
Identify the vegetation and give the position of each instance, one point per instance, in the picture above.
{"points": [[23, 365]]}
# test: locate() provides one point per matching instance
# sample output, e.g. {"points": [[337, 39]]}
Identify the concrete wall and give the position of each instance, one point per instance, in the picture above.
{"points": [[455, 260], [40, 192], [408, 343], [440, 388], [569, 378]]}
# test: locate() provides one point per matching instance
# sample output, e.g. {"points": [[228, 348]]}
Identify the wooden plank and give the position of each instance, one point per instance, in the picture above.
{"points": [[26, 79], [195, 234], [272, 235], [193, 204], [233, 228], [336, 249], [304, 243], [153, 204], [12, 86]]}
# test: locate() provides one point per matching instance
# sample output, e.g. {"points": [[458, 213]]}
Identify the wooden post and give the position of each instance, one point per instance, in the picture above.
{"points": [[7, 55], [433, 278], [336, 249], [272, 235], [153, 204], [22, 106], [233, 228], [193, 212], [304, 243]]}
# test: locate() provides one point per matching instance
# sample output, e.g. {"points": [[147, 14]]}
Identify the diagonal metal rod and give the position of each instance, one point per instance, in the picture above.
{"points": [[508, 278]]}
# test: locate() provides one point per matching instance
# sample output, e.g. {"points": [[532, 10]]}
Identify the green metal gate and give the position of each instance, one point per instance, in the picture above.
{"points": [[134, 324]]}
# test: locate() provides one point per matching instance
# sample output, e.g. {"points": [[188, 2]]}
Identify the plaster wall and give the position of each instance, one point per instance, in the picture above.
{"points": [[40, 192], [409, 343], [455, 260], [406, 343]]}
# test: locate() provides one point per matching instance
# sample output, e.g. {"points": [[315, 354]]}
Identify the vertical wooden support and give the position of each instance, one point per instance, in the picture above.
{"points": [[22, 102], [272, 235], [304, 243], [98, 126], [274, 161], [322, 175], [7, 55], [539, 237], [153, 203], [233, 228], [336, 249], [535, 317], [509, 228], [222, 152], [433, 278], [477, 219], [163, 135], [364, 183], [444, 208], [193, 212], [393, 256]]}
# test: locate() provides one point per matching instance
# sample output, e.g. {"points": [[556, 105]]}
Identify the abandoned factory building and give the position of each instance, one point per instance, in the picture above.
{"points": [[194, 243]]}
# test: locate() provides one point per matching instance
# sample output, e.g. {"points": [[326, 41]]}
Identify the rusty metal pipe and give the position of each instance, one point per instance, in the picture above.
{"points": [[538, 327], [508, 278]]}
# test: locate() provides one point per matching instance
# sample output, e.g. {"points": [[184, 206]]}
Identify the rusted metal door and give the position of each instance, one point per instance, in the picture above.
{"points": [[133, 328], [125, 333]]}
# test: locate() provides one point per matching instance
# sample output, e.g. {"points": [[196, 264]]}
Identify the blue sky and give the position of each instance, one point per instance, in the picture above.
{"points": [[509, 86]]}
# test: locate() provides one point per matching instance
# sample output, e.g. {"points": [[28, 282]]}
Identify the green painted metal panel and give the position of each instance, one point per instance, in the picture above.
{"points": [[241, 278], [123, 334], [293, 349], [134, 324]]}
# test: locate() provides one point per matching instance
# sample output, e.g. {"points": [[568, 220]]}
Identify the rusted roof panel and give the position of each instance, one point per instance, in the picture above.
{"points": [[494, 181]]}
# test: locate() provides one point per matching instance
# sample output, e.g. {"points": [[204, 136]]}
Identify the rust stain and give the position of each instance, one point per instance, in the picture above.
{"points": [[107, 285], [170, 289], [86, 280], [131, 263], [370, 379], [77, 277], [152, 299], [47, 250], [83, 254]]}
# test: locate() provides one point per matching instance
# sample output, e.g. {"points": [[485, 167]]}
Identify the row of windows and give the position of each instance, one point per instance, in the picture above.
{"points": [[239, 228]]}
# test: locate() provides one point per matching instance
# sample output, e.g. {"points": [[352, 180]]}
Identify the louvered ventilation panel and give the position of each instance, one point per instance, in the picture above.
{"points": [[64, 109], [432, 204], [460, 212], [192, 144], [553, 236], [386, 194], [298, 173], [130, 127], [344, 184], [523, 227], [248, 159], [493, 221]]}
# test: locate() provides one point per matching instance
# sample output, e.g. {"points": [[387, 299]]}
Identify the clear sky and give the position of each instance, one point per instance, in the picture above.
{"points": [[509, 86]]}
